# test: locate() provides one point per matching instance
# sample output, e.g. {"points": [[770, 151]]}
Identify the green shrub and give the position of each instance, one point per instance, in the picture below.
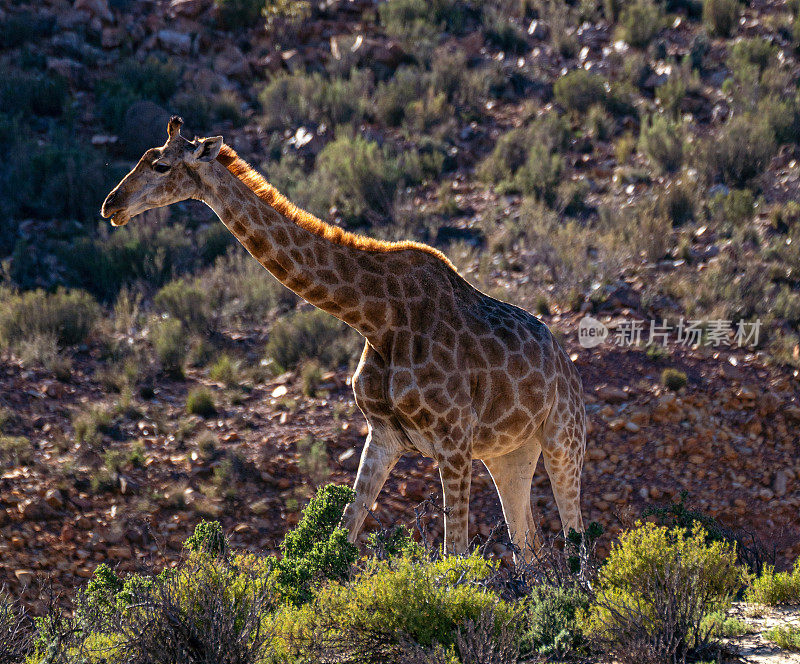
{"points": [[786, 637], [655, 589], [756, 51], [772, 588], [68, 316], [317, 549], [90, 426], [722, 626], [15, 451], [209, 538], [299, 100], [207, 605], [140, 252], [391, 603], [200, 401], [32, 94], [358, 178], [239, 289], [661, 139], [721, 16], [25, 27], [313, 461], [740, 152], [781, 115], [420, 24], [503, 33], [677, 515], [305, 335], [526, 159], [539, 175], [393, 96], [734, 208], [169, 340], [155, 79], [579, 89], [677, 201], [784, 218], [225, 370], [554, 618], [16, 637], [70, 176], [673, 379], [186, 301], [640, 21], [671, 94]]}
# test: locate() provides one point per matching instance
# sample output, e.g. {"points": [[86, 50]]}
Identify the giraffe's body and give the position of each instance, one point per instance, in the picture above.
{"points": [[446, 370]]}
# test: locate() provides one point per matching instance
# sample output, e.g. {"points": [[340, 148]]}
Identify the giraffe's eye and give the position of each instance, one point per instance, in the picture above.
{"points": [[160, 168]]}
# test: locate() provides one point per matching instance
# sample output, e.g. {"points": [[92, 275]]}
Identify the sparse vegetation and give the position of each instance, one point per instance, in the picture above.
{"points": [[773, 588], [67, 316], [786, 637], [721, 16], [673, 379], [15, 451], [656, 589], [306, 335], [200, 401]]}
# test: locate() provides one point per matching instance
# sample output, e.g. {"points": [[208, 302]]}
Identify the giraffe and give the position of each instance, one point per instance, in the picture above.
{"points": [[446, 370]]}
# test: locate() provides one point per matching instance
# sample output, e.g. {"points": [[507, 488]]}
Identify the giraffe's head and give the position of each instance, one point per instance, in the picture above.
{"points": [[163, 176]]}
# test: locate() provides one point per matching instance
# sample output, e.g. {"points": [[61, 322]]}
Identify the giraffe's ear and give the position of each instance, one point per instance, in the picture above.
{"points": [[207, 149]]}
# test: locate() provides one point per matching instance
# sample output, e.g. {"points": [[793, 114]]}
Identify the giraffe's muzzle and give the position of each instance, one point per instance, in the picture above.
{"points": [[113, 210]]}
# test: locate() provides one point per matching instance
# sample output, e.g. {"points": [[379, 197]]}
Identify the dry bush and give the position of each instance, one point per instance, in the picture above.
{"points": [[202, 614], [16, 635]]}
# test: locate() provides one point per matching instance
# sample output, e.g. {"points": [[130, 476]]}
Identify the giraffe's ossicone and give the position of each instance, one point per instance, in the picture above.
{"points": [[446, 370]]}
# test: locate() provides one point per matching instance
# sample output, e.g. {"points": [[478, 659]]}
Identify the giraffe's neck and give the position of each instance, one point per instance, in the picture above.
{"points": [[324, 273]]}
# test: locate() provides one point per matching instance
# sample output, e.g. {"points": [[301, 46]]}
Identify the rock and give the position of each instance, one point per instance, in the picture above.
{"points": [[779, 484], [414, 489], [292, 60], [538, 29], [349, 459], [373, 51], [67, 533], [112, 37], [260, 507], [188, 8], [68, 68], [746, 393], [96, 8], [54, 499], [231, 62], [611, 394], [119, 553], [143, 126], [175, 42], [596, 453], [36, 510], [24, 576]]}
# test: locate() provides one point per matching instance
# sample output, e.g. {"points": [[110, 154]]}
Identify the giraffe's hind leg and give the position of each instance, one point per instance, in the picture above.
{"points": [[563, 447], [513, 474]]}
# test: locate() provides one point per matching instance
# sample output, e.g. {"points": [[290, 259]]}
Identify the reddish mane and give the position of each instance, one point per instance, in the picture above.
{"points": [[267, 193]]}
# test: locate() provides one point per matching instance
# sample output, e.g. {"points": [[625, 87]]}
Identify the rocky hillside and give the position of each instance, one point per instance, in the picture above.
{"points": [[634, 161]]}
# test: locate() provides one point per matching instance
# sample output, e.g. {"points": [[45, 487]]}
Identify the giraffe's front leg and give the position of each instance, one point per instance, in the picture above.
{"points": [[379, 456], [455, 472]]}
